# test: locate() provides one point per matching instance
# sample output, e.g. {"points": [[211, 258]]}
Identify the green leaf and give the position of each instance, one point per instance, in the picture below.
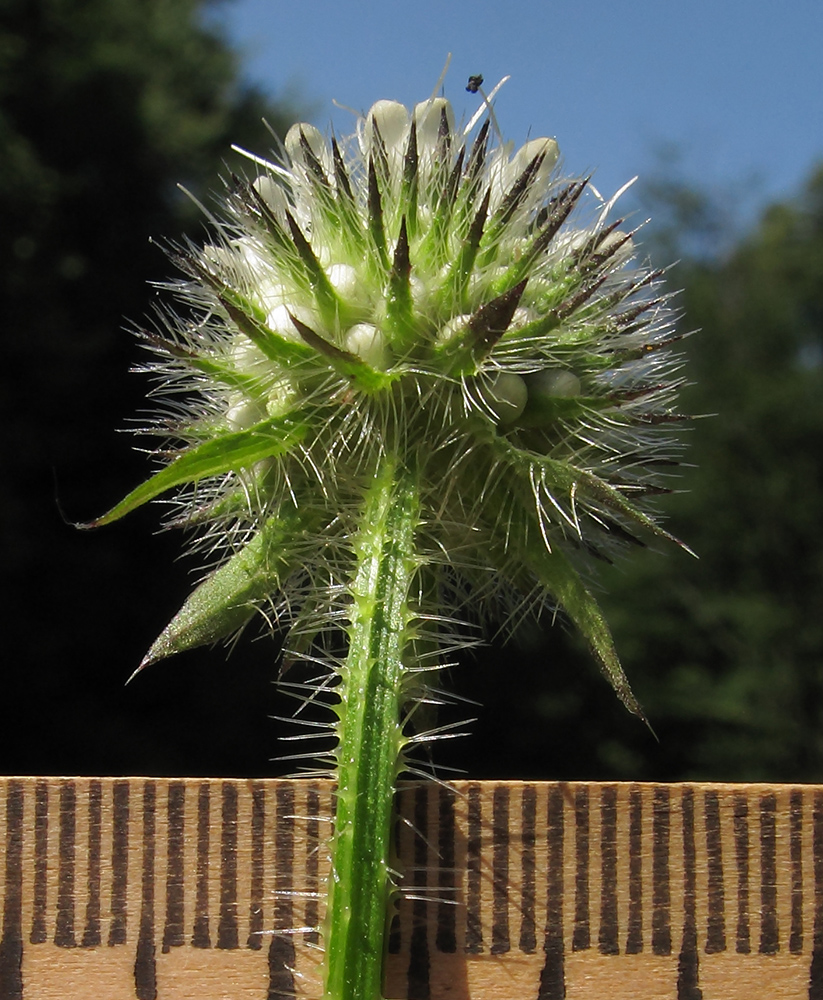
{"points": [[228, 453], [399, 305], [457, 280], [563, 477], [347, 364], [326, 297], [228, 598], [507, 208], [518, 547], [376, 223], [251, 321], [561, 579], [561, 206], [484, 329]]}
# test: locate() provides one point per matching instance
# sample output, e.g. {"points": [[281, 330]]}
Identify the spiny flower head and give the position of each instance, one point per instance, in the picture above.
{"points": [[429, 292]]}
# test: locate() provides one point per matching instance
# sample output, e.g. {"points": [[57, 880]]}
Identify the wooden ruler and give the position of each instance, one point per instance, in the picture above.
{"points": [[199, 889]]}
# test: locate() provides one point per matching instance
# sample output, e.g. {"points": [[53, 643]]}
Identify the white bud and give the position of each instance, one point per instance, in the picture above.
{"points": [[280, 398], [280, 320], [453, 328], [244, 413], [273, 195], [314, 138], [368, 343], [427, 116], [507, 173], [248, 358], [345, 281], [546, 147], [270, 294], [392, 121], [617, 242]]}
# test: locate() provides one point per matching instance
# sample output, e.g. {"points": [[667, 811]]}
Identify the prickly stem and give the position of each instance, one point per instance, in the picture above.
{"points": [[370, 734]]}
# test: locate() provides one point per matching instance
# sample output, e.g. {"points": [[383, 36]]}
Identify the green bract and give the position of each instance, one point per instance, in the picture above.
{"points": [[416, 364]]}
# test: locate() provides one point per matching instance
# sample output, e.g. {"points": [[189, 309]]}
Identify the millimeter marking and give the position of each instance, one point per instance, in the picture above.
{"points": [[164, 889]]}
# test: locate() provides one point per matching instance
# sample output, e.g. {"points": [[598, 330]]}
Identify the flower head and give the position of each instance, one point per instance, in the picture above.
{"points": [[426, 292]]}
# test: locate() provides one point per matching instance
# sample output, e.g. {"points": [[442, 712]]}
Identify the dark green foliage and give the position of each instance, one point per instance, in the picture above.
{"points": [[105, 105], [731, 648], [726, 653]]}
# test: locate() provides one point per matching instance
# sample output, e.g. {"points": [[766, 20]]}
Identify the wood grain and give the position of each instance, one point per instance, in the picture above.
{"points": [[170, 889]]}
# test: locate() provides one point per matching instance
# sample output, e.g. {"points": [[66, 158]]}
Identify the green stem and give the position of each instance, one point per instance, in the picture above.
{"points": [[370, 736]]}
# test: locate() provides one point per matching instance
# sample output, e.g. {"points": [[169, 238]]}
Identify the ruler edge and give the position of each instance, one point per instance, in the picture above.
{"points": [[697, 784], [484, 786]]}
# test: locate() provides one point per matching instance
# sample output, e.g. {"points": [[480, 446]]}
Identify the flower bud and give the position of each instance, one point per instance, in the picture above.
{"points": [[367, 342], [392, 122], [554, 382], [303, 134], [505, 395]]}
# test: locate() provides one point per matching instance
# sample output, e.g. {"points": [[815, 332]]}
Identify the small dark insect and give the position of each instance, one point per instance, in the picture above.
{"points": [[474, 84]]}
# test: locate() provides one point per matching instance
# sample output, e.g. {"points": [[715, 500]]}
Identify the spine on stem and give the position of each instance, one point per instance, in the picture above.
{"points": [[370, 735]]}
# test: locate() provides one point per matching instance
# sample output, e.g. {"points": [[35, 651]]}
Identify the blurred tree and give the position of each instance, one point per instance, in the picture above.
{"points": [[730, 649], [104, 106], [725, 653]]}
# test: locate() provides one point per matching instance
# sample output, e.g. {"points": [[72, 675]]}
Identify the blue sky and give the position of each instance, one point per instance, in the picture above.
{"points": [[736, 86]]}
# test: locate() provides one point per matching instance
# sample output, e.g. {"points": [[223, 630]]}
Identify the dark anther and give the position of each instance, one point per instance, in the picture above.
{"points": [[477, 156], [518, 190], [443, 134], [410, 159], [341, 175], [490, 321], [312, 163], [379, 151], [401, 265], [476, 229], [474, 84], [320, 344], [376, 214]]}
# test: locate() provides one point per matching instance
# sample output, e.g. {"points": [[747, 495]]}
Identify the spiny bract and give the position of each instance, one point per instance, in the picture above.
{"points": [[414, 292]]}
